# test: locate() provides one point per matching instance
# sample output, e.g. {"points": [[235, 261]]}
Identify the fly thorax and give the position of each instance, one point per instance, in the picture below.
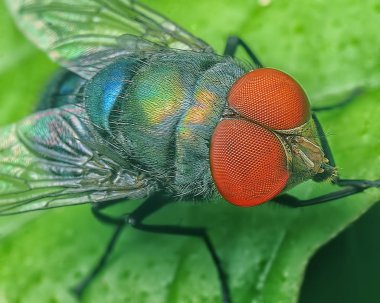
{"points": [[196, 126], [154, 101], [167, 115]]}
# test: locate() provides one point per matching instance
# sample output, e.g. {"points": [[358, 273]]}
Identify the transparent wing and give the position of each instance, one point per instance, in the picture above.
{"points": [[53, 158], [69, 30]]}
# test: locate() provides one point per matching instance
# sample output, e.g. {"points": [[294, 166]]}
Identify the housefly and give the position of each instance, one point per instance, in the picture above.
{"points": [[142, 109]]}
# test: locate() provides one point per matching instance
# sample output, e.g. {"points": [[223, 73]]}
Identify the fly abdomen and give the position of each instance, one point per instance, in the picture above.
{"points": [[64, 89]]}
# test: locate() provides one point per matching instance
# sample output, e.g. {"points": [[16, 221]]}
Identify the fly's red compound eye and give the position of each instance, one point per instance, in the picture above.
{"points": [[248, 162], [271, 98]]}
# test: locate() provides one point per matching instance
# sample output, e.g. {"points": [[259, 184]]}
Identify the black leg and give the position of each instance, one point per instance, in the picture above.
{"points": [[135, 219], [324, 143], [231, 47], [350, 186], [291, 201], [200, 233], [361, 184], [148, 207], [355, 93], [79, 289]]}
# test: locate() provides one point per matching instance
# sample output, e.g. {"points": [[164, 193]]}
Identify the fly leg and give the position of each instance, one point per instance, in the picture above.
{"points": [[139, 215], [291, 201], [349, 186], [80, 288], [200, 233], [231, 47], [354, 93], [135, 219], [148, 207]]}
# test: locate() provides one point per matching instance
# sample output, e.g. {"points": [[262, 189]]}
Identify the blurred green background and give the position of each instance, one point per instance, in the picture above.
{"points": [[331, 48]]}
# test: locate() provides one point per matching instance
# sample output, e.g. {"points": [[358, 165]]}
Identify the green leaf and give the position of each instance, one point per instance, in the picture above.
{"points": [[331, 48]]}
